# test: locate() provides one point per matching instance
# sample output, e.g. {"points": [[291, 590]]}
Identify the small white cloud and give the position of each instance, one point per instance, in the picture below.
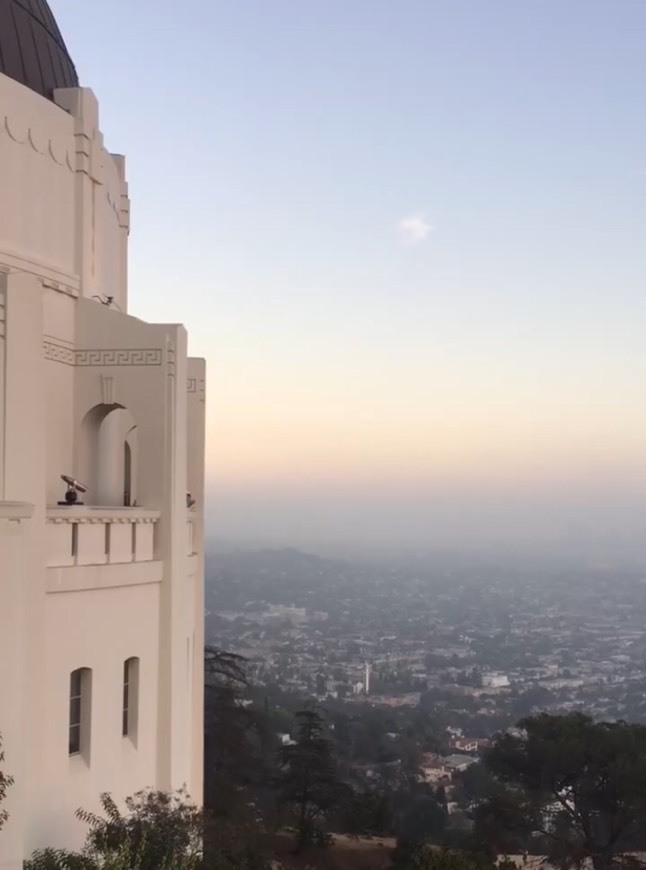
{"points": [[414, 229]]}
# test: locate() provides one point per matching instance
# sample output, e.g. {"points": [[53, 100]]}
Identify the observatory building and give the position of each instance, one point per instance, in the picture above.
{"points": [[101, 573]]}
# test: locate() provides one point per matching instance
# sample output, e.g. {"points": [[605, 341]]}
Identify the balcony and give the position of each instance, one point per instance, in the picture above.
{"points": [[79, 536]]}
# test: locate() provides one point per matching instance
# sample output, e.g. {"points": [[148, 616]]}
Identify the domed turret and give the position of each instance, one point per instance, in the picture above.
{"points": [[32, 50]]}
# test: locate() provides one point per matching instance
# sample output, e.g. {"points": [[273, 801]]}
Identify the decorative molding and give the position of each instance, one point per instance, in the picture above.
{"points": [[197, 386], [107, 390], [40, 143], [102, 357], [96, 521], [124, 211], [60, 288], [147, 356], [100, 515], [58, 353], [170, 360], [19, 136], [49, 274]]}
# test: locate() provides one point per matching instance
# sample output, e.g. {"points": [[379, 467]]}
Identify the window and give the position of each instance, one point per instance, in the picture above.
{"points": [[80, 701], [130, 698]]}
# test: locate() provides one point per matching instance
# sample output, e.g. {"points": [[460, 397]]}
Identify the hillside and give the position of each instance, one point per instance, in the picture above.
{"points": [[346, 853]]}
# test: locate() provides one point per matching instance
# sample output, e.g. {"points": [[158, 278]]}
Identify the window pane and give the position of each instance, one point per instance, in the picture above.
{"points": [[75, 712], [75, 682], [75, 739], [79, 724], [130, 692]]}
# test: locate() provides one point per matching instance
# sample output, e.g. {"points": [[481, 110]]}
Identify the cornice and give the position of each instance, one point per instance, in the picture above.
{"points": [[79, 514]]}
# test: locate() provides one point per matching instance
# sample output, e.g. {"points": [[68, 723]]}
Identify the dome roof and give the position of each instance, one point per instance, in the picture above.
{"points": [[32, 50]]}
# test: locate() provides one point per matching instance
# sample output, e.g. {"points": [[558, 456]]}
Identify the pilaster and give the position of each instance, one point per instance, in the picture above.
{"points": [[89, 168], [196, 412], [21, 540], [14, 527], [175, 613]]}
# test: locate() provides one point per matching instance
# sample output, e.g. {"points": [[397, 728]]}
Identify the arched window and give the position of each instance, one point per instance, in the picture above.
{"points": [[80, 712], [130, 712]]}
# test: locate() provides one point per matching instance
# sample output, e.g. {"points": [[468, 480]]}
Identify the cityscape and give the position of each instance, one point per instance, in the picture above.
{"points": [[480, 645]]}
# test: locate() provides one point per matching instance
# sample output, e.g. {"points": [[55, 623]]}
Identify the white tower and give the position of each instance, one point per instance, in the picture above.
{"points": [[367, 679], [101, 596]]}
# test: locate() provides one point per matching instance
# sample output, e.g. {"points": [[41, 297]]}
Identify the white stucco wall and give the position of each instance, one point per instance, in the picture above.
{"points": [[97, 629], [91, 586]]}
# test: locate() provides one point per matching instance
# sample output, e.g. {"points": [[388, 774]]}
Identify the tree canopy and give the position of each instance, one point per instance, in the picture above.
{"points": [[571, 785], [308, 783]]}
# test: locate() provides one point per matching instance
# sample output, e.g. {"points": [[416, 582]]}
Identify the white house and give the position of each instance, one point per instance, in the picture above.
{"points": [[495, 681], [101, 599]]}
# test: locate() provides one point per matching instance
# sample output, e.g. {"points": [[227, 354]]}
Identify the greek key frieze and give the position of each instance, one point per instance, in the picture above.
{"points": [[119, 357], [58, 353], [149, 356]]}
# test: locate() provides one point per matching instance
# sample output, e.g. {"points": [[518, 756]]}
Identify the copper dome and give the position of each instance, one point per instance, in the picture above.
{"points": [[32, 50]]}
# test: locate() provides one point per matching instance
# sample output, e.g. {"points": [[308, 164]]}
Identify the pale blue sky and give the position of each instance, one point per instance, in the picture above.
{"points": [[273, 148]]}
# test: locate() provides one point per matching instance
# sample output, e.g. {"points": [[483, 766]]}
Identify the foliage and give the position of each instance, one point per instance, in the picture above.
{"points": [[575, 784], [234, 739], [5, 782], [475, 783], [366, 813], [308, 784], [59, 859], [426, 857], [421, 818], [159, 831], [234, 845]]}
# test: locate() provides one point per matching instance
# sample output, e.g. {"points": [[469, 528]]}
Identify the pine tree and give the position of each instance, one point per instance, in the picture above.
{"points": [[308, 783]]}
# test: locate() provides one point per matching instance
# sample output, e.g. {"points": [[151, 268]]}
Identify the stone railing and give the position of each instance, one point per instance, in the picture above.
{"points": [[99, 536]]}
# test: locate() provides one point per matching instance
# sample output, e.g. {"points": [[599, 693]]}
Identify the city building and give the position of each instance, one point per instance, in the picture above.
{"points": [[101, 575], [495, 681]]}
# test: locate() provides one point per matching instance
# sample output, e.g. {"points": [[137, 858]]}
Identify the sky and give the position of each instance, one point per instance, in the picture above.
{"points": [[409, 238]]}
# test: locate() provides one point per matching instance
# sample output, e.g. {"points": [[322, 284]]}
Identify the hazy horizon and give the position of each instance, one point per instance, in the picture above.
{"points": [[594, 535], [409, 240]]}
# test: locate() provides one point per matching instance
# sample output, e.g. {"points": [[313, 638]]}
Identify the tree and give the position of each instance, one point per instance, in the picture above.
{"points": [[159, 831], [367, 813], [231, 735], [428, 857], [5, 782], [308, 783], [473, 785], [421, 819], [575, 783]]}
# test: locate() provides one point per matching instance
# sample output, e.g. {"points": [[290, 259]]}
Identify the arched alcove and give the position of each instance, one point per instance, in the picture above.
{"points": [[108, 456]]}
